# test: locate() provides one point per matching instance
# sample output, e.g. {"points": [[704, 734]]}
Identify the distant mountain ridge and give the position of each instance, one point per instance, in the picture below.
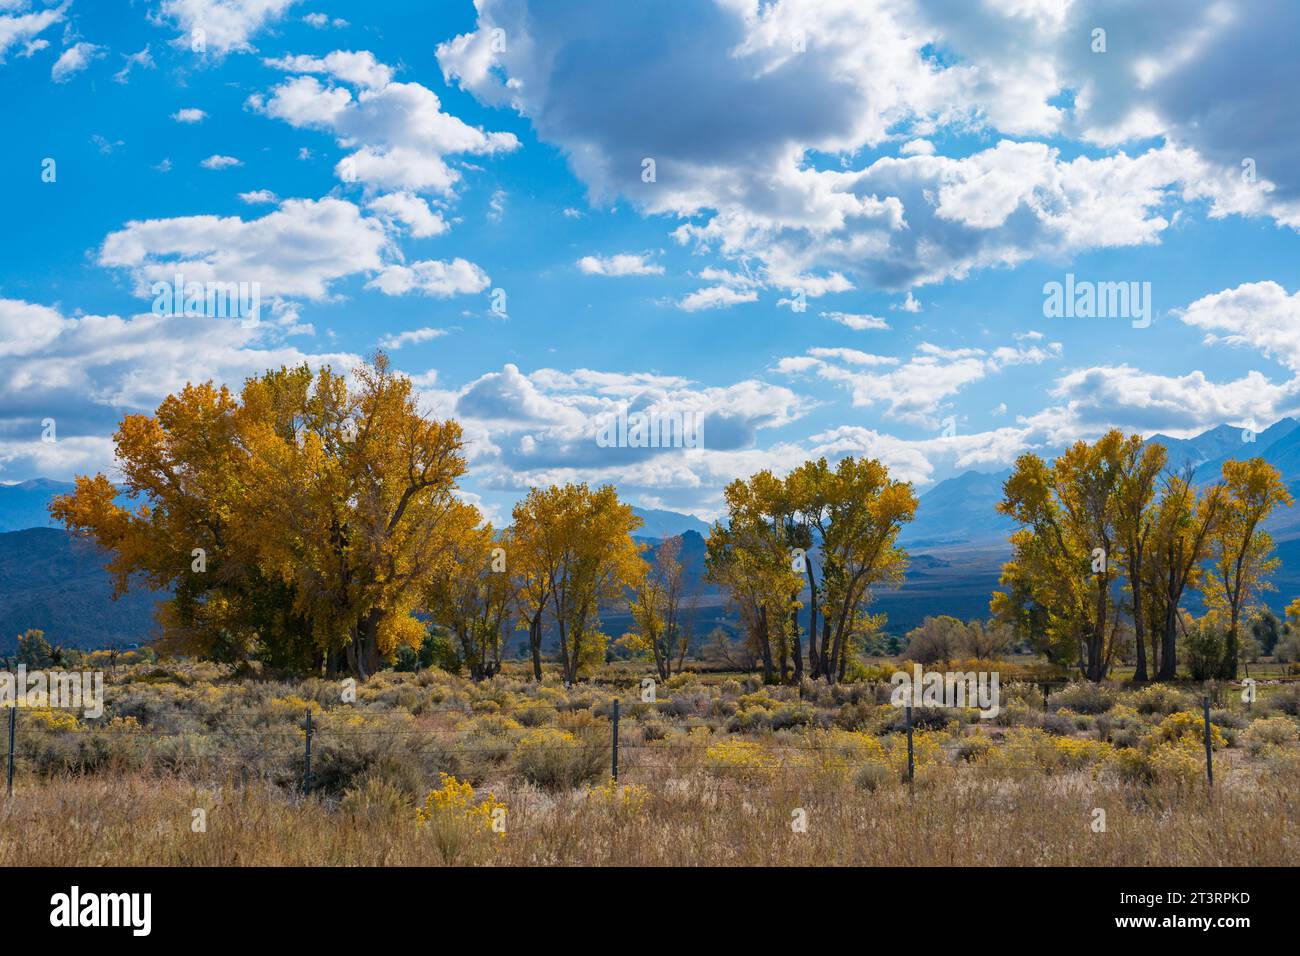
{"points": [[960, 512], [668, 524], [55, 582], [26, 504]]}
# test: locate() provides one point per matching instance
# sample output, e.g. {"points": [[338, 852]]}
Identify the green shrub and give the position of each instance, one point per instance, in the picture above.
{"points": [[1082, 697], [1270, 732], [558, 759]]}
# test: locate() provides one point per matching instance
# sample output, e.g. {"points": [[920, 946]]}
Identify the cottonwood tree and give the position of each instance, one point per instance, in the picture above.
{"points": [[301, 518], [472, 594], [533, 557], [1267, 630], [863, 510], [749, 557], [1062, 574], [935, 640], [1241, 552], [574, 551], [1185, 520], [985, 640], [363, 487], [854, 512], [656, 609], [1140, 467], [185, 474]]}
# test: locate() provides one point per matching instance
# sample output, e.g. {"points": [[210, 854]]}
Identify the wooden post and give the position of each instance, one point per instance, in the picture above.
{"points": [[13, 724], [306, 776], [613, 728], [1209, 760], [911, 767]]}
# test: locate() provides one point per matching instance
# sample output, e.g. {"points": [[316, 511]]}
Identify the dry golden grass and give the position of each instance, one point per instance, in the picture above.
{"points": [[713, 770], [949, 819]]}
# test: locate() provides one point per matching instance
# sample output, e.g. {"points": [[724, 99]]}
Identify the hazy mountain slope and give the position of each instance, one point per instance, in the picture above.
{"points": [[667, 524], [1279, 445], [25, 504], [51, 581], [1218, 441], [959, 511]]}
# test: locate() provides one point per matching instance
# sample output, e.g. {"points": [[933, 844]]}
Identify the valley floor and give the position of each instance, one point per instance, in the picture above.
{"points": [[192, 765]]}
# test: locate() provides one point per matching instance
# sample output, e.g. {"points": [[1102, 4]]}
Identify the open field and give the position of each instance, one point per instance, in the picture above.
{"points": [[192, 765]]}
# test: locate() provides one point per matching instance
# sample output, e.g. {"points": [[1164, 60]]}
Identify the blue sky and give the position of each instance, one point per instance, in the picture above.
{"points": [[855, 208]]}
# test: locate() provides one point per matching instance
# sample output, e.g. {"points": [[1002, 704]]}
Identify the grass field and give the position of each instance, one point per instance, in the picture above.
{"points": [[194, 765]]}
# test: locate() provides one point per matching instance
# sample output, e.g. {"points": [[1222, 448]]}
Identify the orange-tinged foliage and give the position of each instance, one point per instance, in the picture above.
{"points": [[299, 522]]}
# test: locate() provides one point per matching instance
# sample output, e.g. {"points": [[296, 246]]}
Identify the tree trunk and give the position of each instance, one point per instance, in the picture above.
{"points": [[783, 651], [823, 666], [812, 622], [1139, 625], [764, 645], [798, 645], [1169, 649], [1229, 668], [535, 644]]}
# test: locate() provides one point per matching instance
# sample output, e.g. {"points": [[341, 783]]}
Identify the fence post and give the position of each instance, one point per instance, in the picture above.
{"points": [[910, 764], [613, 728], [306, 777], [1209, 760], [13, 724]]}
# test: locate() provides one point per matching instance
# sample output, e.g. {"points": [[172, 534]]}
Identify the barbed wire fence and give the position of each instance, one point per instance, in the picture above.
{"points": [[629, 760]]}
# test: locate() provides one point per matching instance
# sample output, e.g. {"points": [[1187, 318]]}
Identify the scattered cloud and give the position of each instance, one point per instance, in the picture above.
{"points": [[143, 59], [217, 161], [73, 60], [431, 277], [858, 322], [219, 27], [412, 337], [622, 264]]}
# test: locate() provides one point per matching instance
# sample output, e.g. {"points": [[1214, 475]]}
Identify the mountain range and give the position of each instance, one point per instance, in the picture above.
{"points": [[957, 543]]}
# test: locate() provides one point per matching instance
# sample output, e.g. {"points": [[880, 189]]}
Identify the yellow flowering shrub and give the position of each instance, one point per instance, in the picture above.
{"points": [[739, 760], [49, 718], [927, 749], [1030, 749], [833, 756], [457, 824], [291, 705], [628, 799], [1185, 725], [122, 725], [555, 758], [1182, 762]]}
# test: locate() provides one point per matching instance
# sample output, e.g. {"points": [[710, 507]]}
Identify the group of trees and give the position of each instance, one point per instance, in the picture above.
{"points": [[318, 529], [831, 529], [1110, 541], [297, 522]]}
